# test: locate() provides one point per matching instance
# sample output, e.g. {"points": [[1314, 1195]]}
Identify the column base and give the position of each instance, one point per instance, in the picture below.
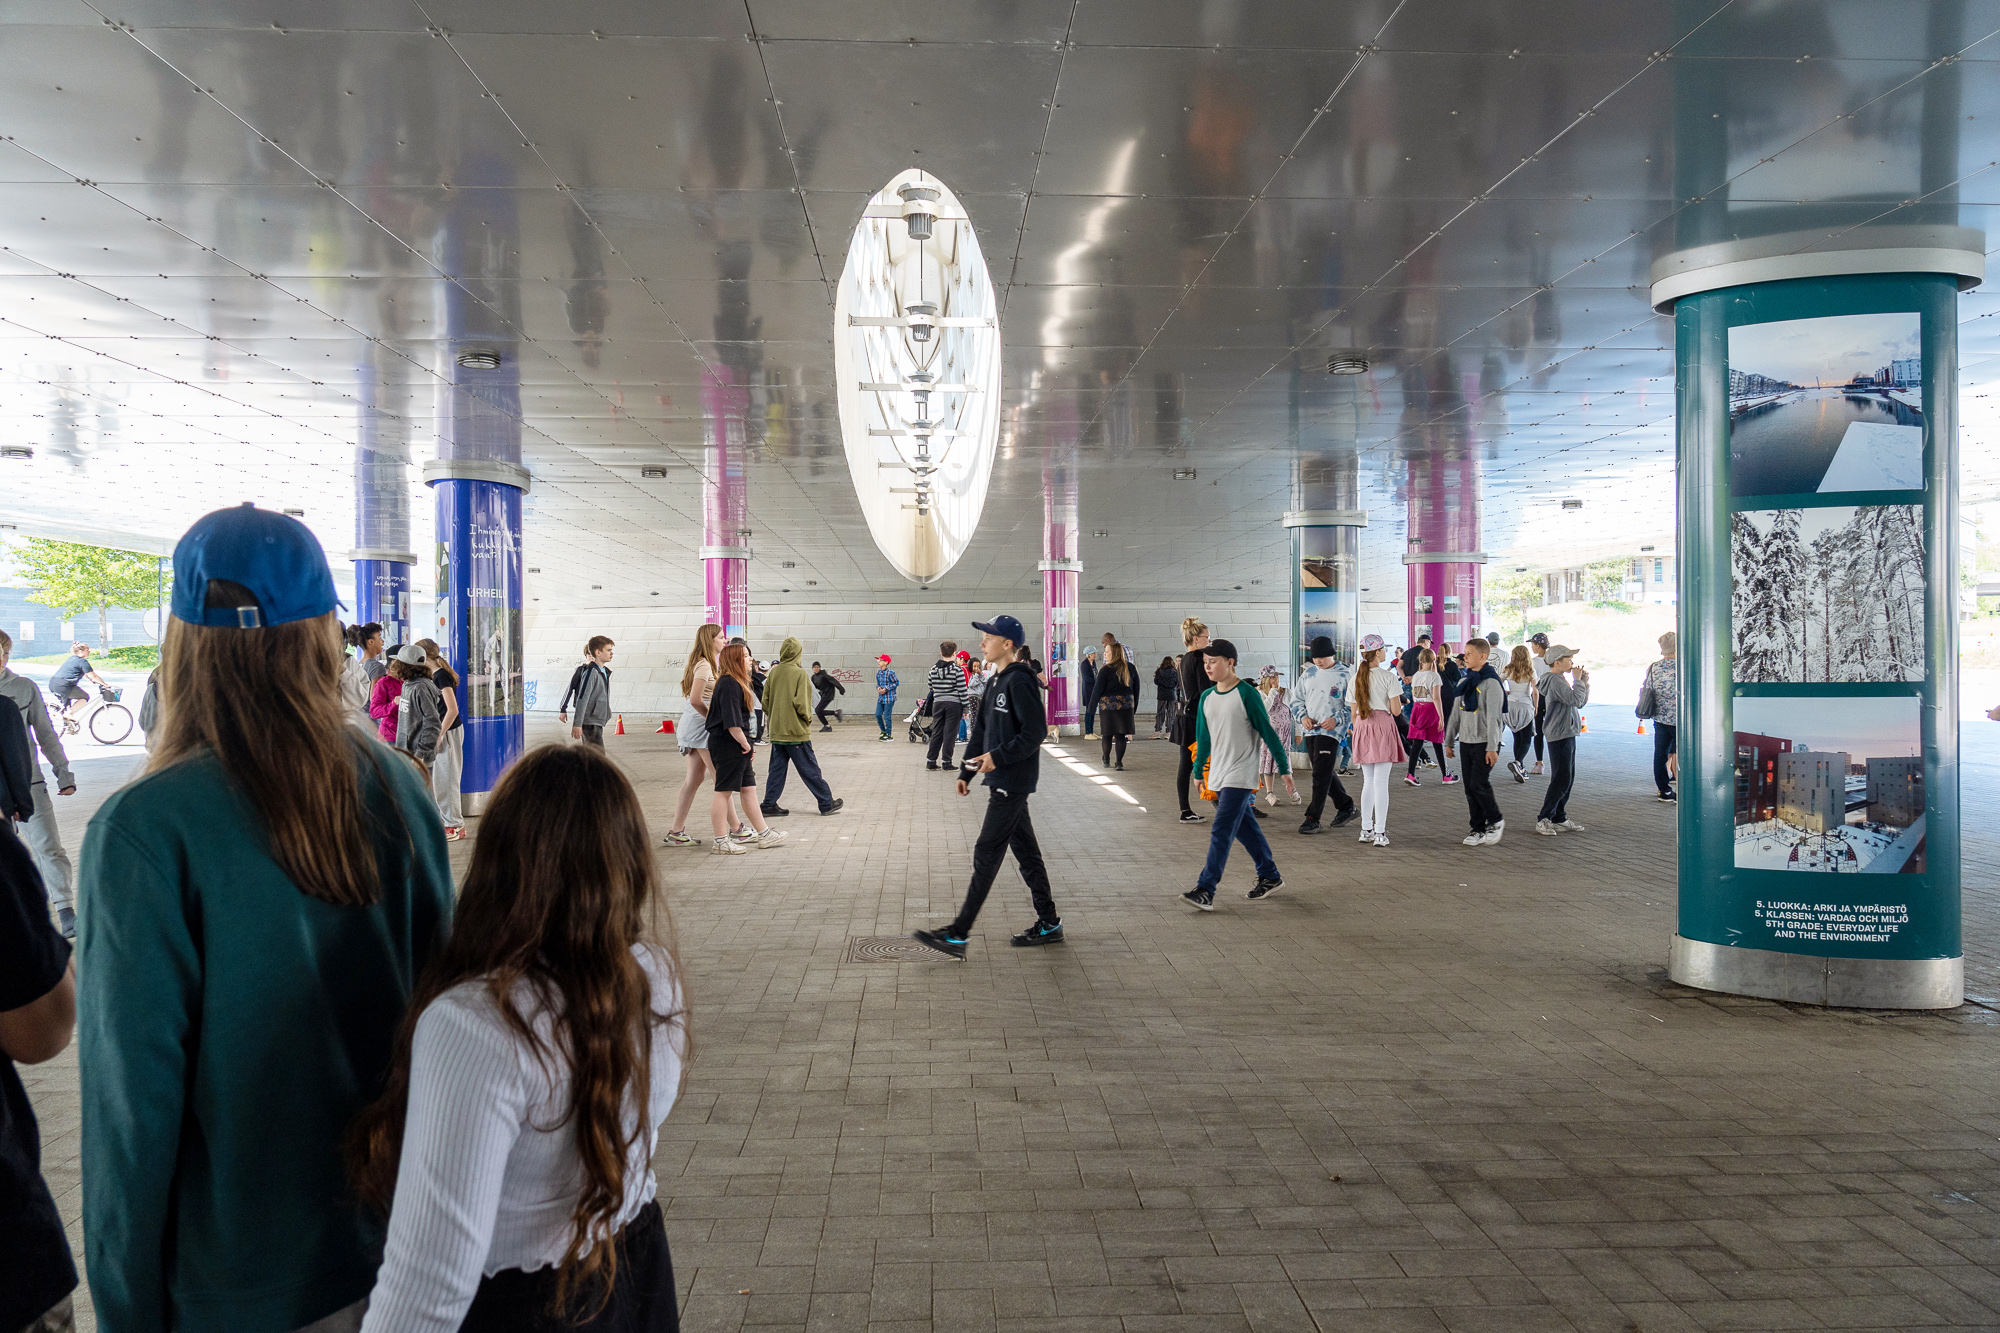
{"points": [[473, 803], [1841, 983]]}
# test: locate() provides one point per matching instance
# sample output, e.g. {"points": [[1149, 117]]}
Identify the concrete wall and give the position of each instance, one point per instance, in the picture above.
{"points": [[653, 641]]}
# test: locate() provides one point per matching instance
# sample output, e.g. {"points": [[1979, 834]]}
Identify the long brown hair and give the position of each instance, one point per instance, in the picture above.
{"points": [[736, 662], [1362, 703], [1518, 669], [703, 651], [560, 889], [266, 703], [1118, 663]]}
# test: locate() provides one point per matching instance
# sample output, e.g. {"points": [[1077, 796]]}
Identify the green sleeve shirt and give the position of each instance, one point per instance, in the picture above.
{"points": [[229, 1028]]}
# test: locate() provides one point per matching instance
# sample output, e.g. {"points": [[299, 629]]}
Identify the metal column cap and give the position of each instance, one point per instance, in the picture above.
{"points": [[1445, 557], [477, 469], [1074, 566], [1960, 251], [383, 553], [1326, 518], [725, 553]]}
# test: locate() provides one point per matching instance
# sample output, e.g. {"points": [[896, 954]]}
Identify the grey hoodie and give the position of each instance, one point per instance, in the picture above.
{"points": [[1560, 702], [25, 695], [1483, 727]]}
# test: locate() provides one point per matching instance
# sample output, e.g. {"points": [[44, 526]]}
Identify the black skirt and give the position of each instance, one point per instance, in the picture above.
{"points": [[642, 1297]]}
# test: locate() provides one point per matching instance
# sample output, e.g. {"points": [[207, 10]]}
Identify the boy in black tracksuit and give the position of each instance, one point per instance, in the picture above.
{"points": [[827, 687], [1006, 745]]}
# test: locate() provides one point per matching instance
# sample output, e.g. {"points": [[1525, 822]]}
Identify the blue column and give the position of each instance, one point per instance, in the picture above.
{"points": [[479, 610]]}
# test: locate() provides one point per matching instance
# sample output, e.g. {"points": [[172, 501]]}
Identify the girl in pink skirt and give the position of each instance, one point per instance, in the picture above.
{"points": [[1426, 719], [1376, 700]]}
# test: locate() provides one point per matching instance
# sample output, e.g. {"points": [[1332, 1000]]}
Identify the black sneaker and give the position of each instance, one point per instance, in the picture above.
{"points": [[1042, 932], [837, 803], [1312, 826], [941, 940], [931, 766], [773, 811], [1265, 888], [1200, 897], [1190, 817], [1669, 798], [1347, 816]]}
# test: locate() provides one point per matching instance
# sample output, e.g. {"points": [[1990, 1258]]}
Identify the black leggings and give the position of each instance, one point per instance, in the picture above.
{"points": [[1109, 742], [1522, 736], [1417, 754], [1181, 778]]}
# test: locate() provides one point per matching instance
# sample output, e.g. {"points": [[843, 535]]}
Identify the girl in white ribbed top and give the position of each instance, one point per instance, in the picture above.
{"points": [[540, 1053]]}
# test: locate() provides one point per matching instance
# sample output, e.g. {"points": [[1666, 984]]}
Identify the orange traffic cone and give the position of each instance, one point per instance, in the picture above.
{"points": [[666, 727], [1582, 722], [1642, 727], [621, 726]]}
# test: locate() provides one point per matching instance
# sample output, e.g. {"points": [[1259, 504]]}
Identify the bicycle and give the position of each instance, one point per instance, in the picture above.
{"points": [[110, 721]]}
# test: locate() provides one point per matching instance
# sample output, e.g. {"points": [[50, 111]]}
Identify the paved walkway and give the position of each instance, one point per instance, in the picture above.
{"points": [[1422, 1088]]}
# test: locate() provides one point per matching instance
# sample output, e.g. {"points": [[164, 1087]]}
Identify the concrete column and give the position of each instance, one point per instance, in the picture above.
{"points": [[383, 555]]}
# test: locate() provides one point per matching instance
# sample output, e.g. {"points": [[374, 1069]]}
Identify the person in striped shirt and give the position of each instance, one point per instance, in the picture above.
{"points": [[947, 691]]}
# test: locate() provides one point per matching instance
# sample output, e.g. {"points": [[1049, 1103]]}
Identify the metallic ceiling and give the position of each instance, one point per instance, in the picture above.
{"points": [[241, 235]]}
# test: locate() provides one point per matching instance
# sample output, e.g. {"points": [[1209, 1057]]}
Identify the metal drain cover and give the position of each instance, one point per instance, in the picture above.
{"points": [[891, 949]]}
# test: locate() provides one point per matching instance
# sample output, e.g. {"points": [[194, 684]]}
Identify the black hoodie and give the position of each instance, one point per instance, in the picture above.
{"points": [[1010, 725]]}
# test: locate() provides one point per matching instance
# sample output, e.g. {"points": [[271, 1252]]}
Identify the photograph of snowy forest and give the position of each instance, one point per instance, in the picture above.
{"points": [[1828, 594]]}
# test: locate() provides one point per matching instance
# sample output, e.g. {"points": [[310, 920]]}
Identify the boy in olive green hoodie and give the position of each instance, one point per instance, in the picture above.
{"points": [[788, 709]]}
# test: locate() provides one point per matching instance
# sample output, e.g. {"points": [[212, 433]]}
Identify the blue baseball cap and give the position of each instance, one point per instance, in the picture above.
{"points": [[249, 568], [1006, 627]]}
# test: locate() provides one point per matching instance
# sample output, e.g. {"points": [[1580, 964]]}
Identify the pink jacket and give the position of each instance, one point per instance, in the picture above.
{"points": [[382, 706]]}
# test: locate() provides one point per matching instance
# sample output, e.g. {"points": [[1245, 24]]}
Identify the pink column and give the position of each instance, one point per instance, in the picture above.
{"points": [[725, 540], [1444, 559], [1060, 570]]}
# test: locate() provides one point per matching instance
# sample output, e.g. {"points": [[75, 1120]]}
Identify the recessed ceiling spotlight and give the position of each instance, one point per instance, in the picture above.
{"points": [[295, 513], [1572, 504], [1346, 363], [812, 583], [16, 451], [479, 360], [1238, 587], [653, 472], [597, 587], [793, 564], [1255, 582], [1100, 532], [1183, 474], [1100, 587], [534, 569]]}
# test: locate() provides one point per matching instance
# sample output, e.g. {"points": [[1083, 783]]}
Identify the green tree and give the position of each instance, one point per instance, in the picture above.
{"points": [[1604, 580], [75, 578], [1510, 597]]}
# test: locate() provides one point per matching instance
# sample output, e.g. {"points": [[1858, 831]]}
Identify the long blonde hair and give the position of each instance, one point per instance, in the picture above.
{"points": [[266, 703], [1192, 629], [1518, 669], [1362, 703], [1117, 662], [703, 651]]}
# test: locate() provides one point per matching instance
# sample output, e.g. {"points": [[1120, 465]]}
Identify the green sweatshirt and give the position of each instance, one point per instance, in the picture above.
{"points": [[1260, 718], [788, 697], [229, 1028]]}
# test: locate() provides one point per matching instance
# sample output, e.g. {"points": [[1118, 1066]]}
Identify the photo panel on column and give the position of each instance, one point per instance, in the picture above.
{"points": [[1832, 595], [1826, 405], [1832, 784]]}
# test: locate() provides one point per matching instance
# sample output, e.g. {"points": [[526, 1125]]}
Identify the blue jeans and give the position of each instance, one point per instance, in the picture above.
{"points": [[885, 712], [800, 756], [1235, 823]]}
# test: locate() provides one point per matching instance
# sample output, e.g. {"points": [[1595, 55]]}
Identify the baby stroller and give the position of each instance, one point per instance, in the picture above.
{"points": [[921, 722]]}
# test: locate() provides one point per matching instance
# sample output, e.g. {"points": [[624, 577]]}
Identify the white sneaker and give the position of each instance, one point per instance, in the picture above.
{"points": [[1493, 834], [1537, 770], [1570, 826], [1546, 829], [1367, 835], [770, 837], [1472, 840], [1381, 840], [727, 847]]}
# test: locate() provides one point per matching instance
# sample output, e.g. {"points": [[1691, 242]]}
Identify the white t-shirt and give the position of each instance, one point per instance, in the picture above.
{"points": [[1425, 686], [1233, 744], [1382, 689], [489, 1170], [1539, 663]]}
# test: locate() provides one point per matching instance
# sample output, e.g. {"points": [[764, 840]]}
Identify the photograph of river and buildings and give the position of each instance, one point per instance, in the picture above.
{"points": [[1833, 404], [1827, 594], [1829, 784]]}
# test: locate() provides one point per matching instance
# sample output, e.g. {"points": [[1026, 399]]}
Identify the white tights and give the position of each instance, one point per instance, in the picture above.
{"points": [[1375, 797]]}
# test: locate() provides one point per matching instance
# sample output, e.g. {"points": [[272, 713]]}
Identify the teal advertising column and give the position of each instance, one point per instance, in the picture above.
{"points": [[1818, 655]]}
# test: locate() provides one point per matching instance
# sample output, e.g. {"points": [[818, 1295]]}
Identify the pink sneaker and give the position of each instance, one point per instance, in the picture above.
{"points": [[1448, 780], [1412, 779]]}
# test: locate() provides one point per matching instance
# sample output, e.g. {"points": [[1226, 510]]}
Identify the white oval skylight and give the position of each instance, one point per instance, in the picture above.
{"points": [[917, 353]]}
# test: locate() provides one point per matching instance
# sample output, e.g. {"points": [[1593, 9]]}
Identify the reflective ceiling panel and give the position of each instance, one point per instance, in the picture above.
{"points": [[229, 229]]}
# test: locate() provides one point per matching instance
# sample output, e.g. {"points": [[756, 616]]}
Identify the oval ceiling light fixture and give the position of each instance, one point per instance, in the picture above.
{"points": [[917, 356], [1346, 363]]}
